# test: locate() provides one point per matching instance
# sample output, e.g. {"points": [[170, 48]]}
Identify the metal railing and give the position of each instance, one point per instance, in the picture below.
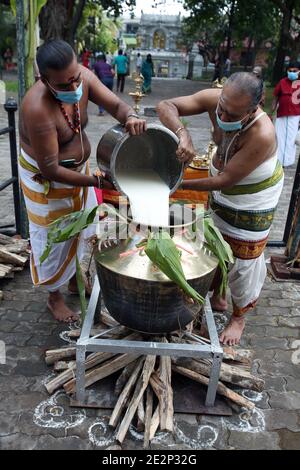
{"points": [[11, 108]]}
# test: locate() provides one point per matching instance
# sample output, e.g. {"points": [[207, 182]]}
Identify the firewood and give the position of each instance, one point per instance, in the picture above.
{"points": [[18, 247], [243, 356], [166, 411], [118, 332], [154, 424], [107, 319], [101, 372], [141, 416], [138, 393], [148, 416], [11, 258], [124, 396], [69, 374], [91, 361], [60, 366], [166, 404], [222, 390], [124, 377], [5, 270], [5, 239], [54, 355], [231, 374]]}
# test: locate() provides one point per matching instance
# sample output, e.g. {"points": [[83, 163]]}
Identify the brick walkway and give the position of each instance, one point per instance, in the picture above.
{"points": [[30, 419]]}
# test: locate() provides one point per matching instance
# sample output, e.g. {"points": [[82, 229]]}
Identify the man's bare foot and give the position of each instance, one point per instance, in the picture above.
{"points": [[231, 335], [59, 310], [73, 287], [218, 303]]}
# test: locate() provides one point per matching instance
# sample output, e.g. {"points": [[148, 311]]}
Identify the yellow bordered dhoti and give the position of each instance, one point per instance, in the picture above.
{"points": [[45, 202], [244, 215]]}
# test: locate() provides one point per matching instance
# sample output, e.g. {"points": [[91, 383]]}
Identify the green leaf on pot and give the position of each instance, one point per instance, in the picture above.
{"points": [[163, 253], [221, 249]]}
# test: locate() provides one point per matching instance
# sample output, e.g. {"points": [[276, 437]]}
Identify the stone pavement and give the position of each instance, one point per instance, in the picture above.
{"points": [[30, 419]]}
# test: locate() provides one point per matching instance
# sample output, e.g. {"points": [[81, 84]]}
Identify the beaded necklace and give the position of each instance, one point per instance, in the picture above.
{"points": [[76, 126]]}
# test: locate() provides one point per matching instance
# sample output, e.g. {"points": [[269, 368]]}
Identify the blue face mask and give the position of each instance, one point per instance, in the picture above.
{"points": [[229, 126], [293, 76], [70, 97]]}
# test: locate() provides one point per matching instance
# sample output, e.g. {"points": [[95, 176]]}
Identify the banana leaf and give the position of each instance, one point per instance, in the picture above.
{"points": [[220, 248], [163, 253], [67, 227]]}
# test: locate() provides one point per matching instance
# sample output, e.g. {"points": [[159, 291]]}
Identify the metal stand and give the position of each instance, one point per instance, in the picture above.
{"points": [[87, 344]]}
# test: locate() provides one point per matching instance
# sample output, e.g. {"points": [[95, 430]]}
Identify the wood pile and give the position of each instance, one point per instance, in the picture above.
{"points": [[143, 387], [14, 254]]}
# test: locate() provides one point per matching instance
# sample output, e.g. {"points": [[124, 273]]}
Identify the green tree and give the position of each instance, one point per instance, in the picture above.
{"points": [[227, 21], [289, 38], [99, 34], [32, 9], [61, 18], [7, 28]]}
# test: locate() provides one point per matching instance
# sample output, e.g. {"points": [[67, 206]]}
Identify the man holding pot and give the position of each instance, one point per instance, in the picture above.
{"points": [[245, 182], [54, 156]]}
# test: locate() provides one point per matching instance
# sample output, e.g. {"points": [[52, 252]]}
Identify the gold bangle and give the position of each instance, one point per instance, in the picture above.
{"points": [[179, 129]]}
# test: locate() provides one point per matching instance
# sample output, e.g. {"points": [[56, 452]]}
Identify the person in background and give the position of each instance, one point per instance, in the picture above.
{"points": [[147, 72], [108, 58], [217, 72], [287, 103], [8, 56], [121, 64], [227, 67], [258, 72], [139, 62], [85, 58], [105, 73]]}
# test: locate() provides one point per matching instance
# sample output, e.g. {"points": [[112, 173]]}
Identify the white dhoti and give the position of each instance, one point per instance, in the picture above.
{"points": [[244, 216], [286, 132], [42, 209]]}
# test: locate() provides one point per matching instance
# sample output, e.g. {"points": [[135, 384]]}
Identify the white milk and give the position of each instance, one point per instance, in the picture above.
{"points": [[148, 195]]}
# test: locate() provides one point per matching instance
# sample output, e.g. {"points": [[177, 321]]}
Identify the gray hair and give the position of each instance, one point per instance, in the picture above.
{"points": [[248, 84]]}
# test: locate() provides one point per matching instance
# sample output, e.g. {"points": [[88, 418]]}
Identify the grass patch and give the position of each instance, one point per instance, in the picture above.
{"points": [[11, 86]]}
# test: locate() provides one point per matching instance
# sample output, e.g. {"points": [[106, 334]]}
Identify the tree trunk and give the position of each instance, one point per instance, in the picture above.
{"points": [[54, 19], [230, 28], [284, 41], [74, 20]]}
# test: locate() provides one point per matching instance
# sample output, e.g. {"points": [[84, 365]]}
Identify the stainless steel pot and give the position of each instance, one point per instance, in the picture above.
{"points": [[155, 149], [140, 296]]}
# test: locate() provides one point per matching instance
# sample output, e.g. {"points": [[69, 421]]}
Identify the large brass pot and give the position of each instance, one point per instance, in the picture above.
{"points": [[140, 296]]}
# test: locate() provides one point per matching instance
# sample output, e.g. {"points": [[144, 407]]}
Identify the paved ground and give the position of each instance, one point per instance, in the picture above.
{"points": [[30, 419]]}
